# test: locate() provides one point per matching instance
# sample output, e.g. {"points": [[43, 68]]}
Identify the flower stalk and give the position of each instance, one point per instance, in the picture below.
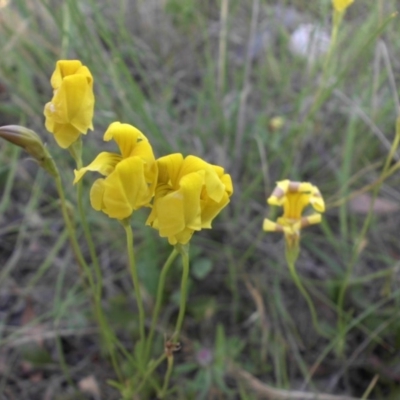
{"points": [[160, 292], [135, 277], [184, 252]]}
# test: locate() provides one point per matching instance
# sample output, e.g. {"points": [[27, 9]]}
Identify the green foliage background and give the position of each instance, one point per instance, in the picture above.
{"points": [[158, 65]]}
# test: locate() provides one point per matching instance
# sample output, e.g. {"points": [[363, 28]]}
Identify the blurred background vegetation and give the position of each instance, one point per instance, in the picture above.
{"points": [[232, 82]]}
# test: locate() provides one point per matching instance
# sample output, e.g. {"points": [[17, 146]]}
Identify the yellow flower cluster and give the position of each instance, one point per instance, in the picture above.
{"points": [[188, 192], [185, 194]]}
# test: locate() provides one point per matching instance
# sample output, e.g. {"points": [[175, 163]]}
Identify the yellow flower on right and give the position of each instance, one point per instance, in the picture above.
{"points": [[190, 193], [294, 197], [341, 5]]}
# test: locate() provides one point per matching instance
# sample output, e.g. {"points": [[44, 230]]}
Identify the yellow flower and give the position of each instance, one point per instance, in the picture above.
{"points": [[294, 197], [131, 176], [341, 5], [189, 195], [70, 111]]}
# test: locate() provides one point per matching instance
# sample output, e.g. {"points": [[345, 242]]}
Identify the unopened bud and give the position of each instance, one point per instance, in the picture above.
{"points": [[31, 143]]}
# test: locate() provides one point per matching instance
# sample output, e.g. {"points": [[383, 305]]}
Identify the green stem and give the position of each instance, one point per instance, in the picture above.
{"points": [[135, 278], [88, 236], [297, 281], [160, 292], [72, 234], [167, 377], [184, 251], [337, 18]]}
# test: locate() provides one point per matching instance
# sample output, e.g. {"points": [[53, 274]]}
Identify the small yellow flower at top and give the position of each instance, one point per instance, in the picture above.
{"points": [[70, 112], [131, 176], [341, 5], [294, 197], [190, 193]]}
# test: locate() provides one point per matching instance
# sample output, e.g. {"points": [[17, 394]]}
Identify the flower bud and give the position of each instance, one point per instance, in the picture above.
{"points": [[31, 143]]}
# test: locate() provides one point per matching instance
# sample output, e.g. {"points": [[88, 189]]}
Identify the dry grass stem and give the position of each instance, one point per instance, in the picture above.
{"points": [[264, 391]]}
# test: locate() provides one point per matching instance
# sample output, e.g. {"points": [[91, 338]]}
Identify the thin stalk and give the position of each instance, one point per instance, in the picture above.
{"points": [[104, 327], [222, 48], [135, 278], [88, 235], [237, 157], [337, 18], [13, 164], [184, 283], [160, 292], [66, 31], [72, 234], [302, 289], [167, 377]]}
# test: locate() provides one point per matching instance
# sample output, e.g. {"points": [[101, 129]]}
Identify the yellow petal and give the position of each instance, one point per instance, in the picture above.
{"points": [[144, 150], [65, 134], [341, 5], [181, 209], [49, 114], [214, 186], [182, 237], [270, 226], [104, 163], [161, 191], [277, 197], [310, 220], [74, 103], [63, 69], [115, 202], [317, 201], [126, 136], [191, 186], [211, 208], [303, 187], [169, 169], [126, 189], [131, 174], [193, 164], [283, 185], [227, 181], [97, 194], [83, 70], [170, 214]]}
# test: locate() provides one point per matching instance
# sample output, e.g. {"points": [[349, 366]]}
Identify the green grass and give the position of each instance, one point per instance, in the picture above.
{"points": [[155, 66]]}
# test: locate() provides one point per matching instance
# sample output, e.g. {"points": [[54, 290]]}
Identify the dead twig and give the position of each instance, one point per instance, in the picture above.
{"points": [[265, 391]]}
